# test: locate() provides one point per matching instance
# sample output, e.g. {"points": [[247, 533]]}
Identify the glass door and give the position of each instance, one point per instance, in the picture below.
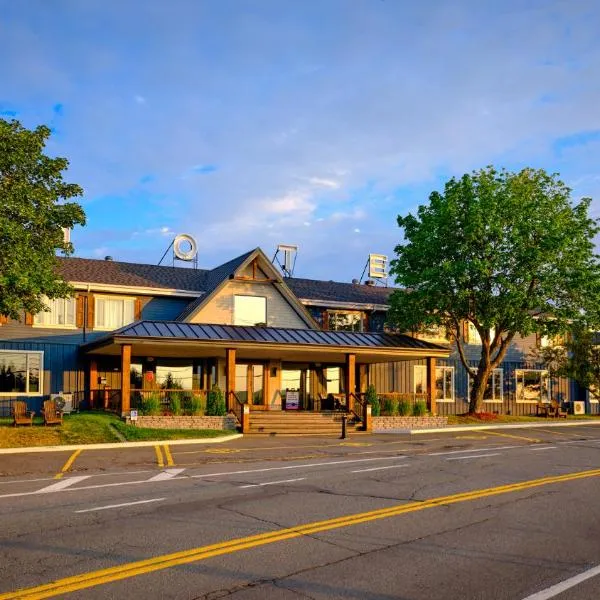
{"points": [[250, 385]]}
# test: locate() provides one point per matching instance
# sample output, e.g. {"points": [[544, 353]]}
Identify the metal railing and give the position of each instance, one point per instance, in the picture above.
{"points": [[169, 401], [236, 406]]}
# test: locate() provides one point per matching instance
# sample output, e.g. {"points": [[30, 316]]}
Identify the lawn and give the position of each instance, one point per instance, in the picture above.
{"points": [[500, 419], [89, 428]]}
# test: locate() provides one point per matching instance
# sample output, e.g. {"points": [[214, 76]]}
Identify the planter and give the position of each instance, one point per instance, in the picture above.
{"points": [[393, 423], [227, 422]]}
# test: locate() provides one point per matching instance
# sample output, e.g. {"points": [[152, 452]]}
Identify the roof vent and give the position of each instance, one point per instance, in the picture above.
{"points": [[108, 258], [355, 282], [369, 282]]}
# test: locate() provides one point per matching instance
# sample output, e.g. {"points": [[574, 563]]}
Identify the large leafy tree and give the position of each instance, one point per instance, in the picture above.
{"points": [[508, 252], [34, 209]]}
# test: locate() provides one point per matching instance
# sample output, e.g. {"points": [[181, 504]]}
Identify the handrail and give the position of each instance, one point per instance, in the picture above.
{"points": [[360, 415], [237, 407]]}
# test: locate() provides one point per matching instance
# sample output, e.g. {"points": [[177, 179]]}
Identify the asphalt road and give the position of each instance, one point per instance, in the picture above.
{"points": [[450, 516]]}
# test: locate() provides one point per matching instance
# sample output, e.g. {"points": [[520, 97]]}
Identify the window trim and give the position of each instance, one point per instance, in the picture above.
{"points": [[26, 394], [64, 326], [359, 313], [453, 398], [266, 321], [414, 386], [540, 399], [493, 400], [109, 297]]}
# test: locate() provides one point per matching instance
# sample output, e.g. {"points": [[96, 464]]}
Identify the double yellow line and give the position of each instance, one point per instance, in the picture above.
{"points": [[168, 458], [150, 565]]}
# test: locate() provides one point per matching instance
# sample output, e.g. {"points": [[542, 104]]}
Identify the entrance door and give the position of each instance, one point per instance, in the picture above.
{"points": [[250, 385]]}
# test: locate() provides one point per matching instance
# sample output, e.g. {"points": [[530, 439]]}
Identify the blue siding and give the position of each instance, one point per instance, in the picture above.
{"points": [[164, 309]]}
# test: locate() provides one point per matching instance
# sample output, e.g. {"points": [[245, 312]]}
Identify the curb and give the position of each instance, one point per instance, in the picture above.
{"points": [[523, 425], [116, 445]]}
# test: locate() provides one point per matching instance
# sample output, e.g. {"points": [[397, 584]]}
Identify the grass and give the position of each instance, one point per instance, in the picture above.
{"points": [[89, 428], [499, 419]]}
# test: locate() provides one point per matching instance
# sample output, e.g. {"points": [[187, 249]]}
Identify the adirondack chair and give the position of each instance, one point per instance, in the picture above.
{"points": [[52, 416], [558, 410], [22, 416]]}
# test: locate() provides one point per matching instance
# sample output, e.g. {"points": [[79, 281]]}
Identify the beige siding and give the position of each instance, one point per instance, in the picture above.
{"points": [[219, 309]]}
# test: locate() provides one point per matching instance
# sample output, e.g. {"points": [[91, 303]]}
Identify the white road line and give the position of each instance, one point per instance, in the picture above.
{"points": [[474, 450], [115, 474], [472, 457], [26, 480], [272, 482], [62, 484], [559, 588], [543, 448], [166, 475], [380, 468], [119, 505]]}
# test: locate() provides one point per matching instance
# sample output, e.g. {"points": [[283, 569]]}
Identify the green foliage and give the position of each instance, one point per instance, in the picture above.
{"points": [[196, 405], [170, 383], [419, 408], [373, 399], [175, 403], [404, 408], [33, 211], [215, 406], [508, 252], [390, 407], [151, 404]]}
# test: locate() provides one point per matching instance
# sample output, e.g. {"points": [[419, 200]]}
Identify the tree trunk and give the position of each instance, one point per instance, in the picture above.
{"points": [[478, 390]]}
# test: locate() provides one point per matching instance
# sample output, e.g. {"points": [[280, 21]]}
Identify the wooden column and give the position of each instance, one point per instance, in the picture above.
{"points": [[229, 376], [125, 378], [93, 375], [431, 403], [350, 379], [362, 378]]}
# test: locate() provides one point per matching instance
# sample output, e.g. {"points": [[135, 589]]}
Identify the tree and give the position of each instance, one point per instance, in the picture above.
{"points": [[33, 212], [508, 252]]}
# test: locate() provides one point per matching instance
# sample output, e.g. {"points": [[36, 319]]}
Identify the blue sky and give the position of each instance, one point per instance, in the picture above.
{"points": [[250, 123]]}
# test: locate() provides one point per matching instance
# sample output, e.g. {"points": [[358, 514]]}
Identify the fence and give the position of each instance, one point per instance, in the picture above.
{"points": [[169, 401]]}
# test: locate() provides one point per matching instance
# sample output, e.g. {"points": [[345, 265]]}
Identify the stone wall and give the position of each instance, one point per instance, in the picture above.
{"points": [[227, 422], [389, 423]]}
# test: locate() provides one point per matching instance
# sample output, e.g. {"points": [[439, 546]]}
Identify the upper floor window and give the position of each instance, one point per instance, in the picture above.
{"points": [[61, 313], [249, 310], [532, 385], [20, 372], [112, 313], [345, 320]]}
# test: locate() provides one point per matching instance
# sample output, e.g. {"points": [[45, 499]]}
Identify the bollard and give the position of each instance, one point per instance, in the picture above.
{"points": [[344, 419]]}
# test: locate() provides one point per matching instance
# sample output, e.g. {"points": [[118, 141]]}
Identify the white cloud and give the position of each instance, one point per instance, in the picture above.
{"points": [[139, 99]]}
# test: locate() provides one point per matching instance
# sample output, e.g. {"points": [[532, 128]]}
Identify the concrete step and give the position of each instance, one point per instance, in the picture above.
{"points": [[298, 423]]}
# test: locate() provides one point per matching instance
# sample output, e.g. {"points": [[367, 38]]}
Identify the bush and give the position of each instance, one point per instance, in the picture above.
{"points": [[151, 404], [373, 399], [419, 408], [390, 407], [215, 406], [196, 405], [175, 403], [404, 408]]}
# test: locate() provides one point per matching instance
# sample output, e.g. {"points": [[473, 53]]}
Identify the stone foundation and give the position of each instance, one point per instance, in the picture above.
{"points": [[390, 423], [227, 422]]}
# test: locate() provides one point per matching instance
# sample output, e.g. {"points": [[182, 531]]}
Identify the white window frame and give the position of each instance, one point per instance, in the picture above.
{"points": [[493, 375], [452, 398], [41, 385], [356, 313], [422, 370], [96, 312], [235, 309], [47, 301], [545, 400]]}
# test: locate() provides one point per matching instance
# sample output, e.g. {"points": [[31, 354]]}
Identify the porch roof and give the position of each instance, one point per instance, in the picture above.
{"points": [[172, 338]]}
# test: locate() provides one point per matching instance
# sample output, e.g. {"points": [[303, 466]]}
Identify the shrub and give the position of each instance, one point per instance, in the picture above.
{"points": [[196, 405], [151, 404], [404, 408], [215, 406], [390, 407], [175, 403], [419, 408], [373, 399]]}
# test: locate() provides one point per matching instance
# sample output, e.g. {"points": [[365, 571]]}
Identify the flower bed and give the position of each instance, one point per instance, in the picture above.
{"points": [[227, 422], [425, 422]]}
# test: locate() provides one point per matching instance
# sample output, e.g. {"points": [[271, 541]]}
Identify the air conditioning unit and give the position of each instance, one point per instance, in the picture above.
{"points": [[579, 407], [64, 402]]}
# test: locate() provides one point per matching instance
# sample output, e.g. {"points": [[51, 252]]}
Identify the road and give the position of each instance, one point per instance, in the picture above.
{"points": [[451, 516]]}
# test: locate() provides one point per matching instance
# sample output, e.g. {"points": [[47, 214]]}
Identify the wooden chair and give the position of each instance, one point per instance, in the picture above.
{"points": [[52, 416], [22, 416], [558, 410]]}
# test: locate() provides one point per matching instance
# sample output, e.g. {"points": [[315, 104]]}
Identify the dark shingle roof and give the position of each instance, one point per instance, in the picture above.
{"points": [[90, 270], [332, 291]]}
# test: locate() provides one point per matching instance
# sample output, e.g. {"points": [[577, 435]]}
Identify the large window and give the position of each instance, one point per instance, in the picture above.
{"points": [[345, 321], [333, 380], [444, 384], [20, 372], [61, 314], [249, 310], [494, 390], [112, 313], [532, 385], [420, 379]]}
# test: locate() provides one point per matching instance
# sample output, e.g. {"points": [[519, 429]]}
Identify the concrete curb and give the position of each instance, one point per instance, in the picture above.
{"points": [[124, 445], [459, 428]]}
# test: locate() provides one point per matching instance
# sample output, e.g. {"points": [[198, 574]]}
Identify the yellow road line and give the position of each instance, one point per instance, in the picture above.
{"points": [[159, 456], [158, 563], [560, 433], [168, 455], [68, 464], [516, 437]]}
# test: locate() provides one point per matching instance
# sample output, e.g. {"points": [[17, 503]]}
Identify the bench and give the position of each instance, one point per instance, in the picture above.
{"points": [[20, 414]]}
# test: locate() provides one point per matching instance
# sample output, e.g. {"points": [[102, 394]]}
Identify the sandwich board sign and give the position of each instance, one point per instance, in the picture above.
{"points": [[292, 399]]}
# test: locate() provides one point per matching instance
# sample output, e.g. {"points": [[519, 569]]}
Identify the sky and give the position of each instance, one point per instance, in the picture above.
{"points": [[312, 122]]}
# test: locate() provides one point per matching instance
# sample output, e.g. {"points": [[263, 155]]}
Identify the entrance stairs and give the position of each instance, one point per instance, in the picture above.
{"points": [[299, 423]]}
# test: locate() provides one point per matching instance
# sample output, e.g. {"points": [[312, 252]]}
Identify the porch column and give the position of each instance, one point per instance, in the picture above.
{"points": [[229, 376], [125, 378], [362, 378], [350, 380], [431, 403], [93, 375]]}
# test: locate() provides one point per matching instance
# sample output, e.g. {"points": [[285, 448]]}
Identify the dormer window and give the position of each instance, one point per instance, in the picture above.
{"points": [[249, 310], [61, 313], [339, 320]]}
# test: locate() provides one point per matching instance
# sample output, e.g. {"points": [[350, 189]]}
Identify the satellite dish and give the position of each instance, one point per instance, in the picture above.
{"points": [[185, 247]]}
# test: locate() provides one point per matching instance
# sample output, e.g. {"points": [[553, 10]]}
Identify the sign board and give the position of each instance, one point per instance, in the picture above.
{"points": [[378, 266], [133, 415], [292, 399]]}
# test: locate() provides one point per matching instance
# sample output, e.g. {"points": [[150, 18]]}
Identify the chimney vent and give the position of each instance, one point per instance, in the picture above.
{"points": [[355, 282], [370, 282], [109, 258]]}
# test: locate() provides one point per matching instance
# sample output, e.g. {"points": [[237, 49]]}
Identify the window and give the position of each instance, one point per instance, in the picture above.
{"points": [[345, 321], [62, 313], [112, 313], [249, 310], [494, 391], [532, 385], [444, 384], [174, 375], [20, 372], [420, 382], [333, 380]]}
